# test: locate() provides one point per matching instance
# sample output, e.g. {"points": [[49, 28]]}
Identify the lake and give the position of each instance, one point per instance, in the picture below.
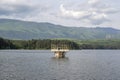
{"points": [[78, 65]]}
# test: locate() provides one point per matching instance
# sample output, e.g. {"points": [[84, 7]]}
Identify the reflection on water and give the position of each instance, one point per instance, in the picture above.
{"points": [[78, 65], [60, 59]]}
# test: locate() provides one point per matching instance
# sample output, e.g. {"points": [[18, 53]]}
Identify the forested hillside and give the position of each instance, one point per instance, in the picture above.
{"points": [[24, 30]]}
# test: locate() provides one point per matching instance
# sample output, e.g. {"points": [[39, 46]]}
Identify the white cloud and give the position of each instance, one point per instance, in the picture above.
{"points": [[95, 14], [93, 2], [73, 14]]}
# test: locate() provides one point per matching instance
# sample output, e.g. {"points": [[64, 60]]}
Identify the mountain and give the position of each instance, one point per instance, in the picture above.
{"points": [[16, 29]]}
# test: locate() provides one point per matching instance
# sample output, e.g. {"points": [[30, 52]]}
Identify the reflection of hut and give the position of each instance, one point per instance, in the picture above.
{"points": [[59, 49]]}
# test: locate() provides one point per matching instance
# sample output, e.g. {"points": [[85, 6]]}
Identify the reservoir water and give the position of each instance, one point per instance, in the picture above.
{"points": [[41, 65]]}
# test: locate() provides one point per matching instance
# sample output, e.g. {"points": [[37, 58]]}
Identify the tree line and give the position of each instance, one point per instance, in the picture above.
{"points": [[35, 44], [6, 44], [46, 44]]}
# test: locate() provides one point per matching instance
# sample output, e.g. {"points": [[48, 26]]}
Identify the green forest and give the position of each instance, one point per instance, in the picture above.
{"points": [[35, 44], [44, 44]]}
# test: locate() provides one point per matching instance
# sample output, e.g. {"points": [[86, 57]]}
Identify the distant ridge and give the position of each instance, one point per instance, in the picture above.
{"points": [[17, 29]]}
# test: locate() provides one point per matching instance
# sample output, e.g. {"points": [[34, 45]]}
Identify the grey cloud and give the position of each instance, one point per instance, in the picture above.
{"points": [[22, 9], [98, 21], [15, 9]]}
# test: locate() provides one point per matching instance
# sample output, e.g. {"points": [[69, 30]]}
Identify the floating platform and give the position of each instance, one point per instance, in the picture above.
{"points": [[59, 49], [59, 53]]}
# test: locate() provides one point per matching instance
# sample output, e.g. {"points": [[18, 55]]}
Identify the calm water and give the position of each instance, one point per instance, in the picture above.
{"points": [[78, 65]]}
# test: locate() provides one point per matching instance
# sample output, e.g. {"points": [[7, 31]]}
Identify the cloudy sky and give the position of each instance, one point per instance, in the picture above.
{"points": [[79, 13]]}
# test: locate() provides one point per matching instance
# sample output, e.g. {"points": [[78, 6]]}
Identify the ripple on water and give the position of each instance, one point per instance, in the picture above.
{"points": [[78, 65]]}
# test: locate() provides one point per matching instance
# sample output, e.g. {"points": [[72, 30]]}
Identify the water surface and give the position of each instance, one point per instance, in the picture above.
{"points": [[41, 65]]}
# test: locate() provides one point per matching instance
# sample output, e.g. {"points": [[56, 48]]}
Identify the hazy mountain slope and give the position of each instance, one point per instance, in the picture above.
{"points": [[15, 29]]}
